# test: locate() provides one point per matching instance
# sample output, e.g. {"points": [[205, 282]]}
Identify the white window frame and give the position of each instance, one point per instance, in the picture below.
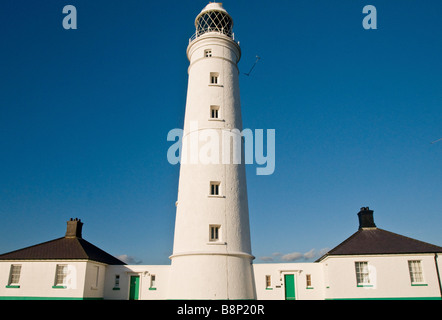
{"points": [[416, 272], [152, 282], [14, 275], [214, 233], [308, 281], [208, 53], [215, 189], [268, 281], [214, 112], [117, 281], [61, 274], [214, 78], [362, 274]]}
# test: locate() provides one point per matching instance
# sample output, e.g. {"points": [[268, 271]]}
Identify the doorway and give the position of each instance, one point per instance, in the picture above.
{"points": [[134, 287], [289, 283]]}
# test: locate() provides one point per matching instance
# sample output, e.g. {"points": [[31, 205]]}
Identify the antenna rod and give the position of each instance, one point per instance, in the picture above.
{"points": [[257, 59]]}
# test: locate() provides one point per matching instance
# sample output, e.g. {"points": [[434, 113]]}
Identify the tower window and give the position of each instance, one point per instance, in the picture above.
{"points": [[214, 231], [214, 112], [214, 188], [208, 53], [214, 77]]}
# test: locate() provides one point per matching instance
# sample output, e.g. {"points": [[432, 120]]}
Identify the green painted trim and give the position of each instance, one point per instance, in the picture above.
{"points": [[406, 298], [269, 288], [364, 285], [47, 298], [419, 284], [152, 288], [13, 286], [115, 288], [58, 287], [309, 288]]}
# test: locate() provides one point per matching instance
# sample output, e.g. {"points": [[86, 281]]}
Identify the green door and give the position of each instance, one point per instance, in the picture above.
{"points": [[134, 287], [289, 282]]}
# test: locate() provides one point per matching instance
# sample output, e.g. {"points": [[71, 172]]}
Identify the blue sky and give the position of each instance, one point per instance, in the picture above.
{"points": [[84, 117]]}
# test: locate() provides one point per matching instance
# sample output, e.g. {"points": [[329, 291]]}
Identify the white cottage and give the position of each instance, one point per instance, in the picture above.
{"points": [[371, 264], [377, 264], [65, 268], [212, 256]]}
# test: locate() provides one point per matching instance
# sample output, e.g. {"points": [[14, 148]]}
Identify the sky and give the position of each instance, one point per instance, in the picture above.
{"points": [[85, 113]]}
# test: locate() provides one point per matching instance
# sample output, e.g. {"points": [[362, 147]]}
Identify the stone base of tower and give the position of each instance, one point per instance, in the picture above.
{"points": [[212, 277]]}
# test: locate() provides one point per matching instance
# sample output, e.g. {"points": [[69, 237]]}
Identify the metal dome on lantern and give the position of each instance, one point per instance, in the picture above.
{"points": [[213, 18]]}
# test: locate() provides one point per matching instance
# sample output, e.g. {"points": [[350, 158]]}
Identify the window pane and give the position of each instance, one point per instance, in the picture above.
{"points": [[214, 188], [362, 274], [308, 279], [214, 233], [61, 274], [268, 281], [214, 77], [415, 269], [214, 112], [14, 277]]}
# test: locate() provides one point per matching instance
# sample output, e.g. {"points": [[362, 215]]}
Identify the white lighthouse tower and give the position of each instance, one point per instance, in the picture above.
{"points": [[212, 251]]}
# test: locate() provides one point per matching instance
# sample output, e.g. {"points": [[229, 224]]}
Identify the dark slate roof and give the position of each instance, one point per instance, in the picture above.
{"points": [[66, 248], [378, 241]]}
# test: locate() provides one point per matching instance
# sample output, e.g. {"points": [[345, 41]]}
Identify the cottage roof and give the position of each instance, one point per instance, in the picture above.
{"points": [[70, 247], [372, 240]]}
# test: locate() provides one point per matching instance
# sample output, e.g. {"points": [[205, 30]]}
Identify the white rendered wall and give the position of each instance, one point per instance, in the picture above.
{"points": [[389, 275], [276, 271], [93, 282], [145, 272], [224, 268], [37, 279]]}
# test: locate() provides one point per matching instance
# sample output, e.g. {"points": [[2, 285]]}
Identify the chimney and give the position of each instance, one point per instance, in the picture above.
{"points": [[74, 228], [366, 218]]}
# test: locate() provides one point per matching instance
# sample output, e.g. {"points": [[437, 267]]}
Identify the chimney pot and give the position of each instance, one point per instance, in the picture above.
{"points": [[74, 228], [366, 219]]}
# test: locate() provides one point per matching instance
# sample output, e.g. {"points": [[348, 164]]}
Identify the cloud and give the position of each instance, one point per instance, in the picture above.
{"points": [[310, 255], [129, 259], [275, 255], [290, 257], [266, 259]]}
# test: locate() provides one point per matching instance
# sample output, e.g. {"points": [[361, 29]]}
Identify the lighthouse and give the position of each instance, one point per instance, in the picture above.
{"points": [[212, 256]]}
